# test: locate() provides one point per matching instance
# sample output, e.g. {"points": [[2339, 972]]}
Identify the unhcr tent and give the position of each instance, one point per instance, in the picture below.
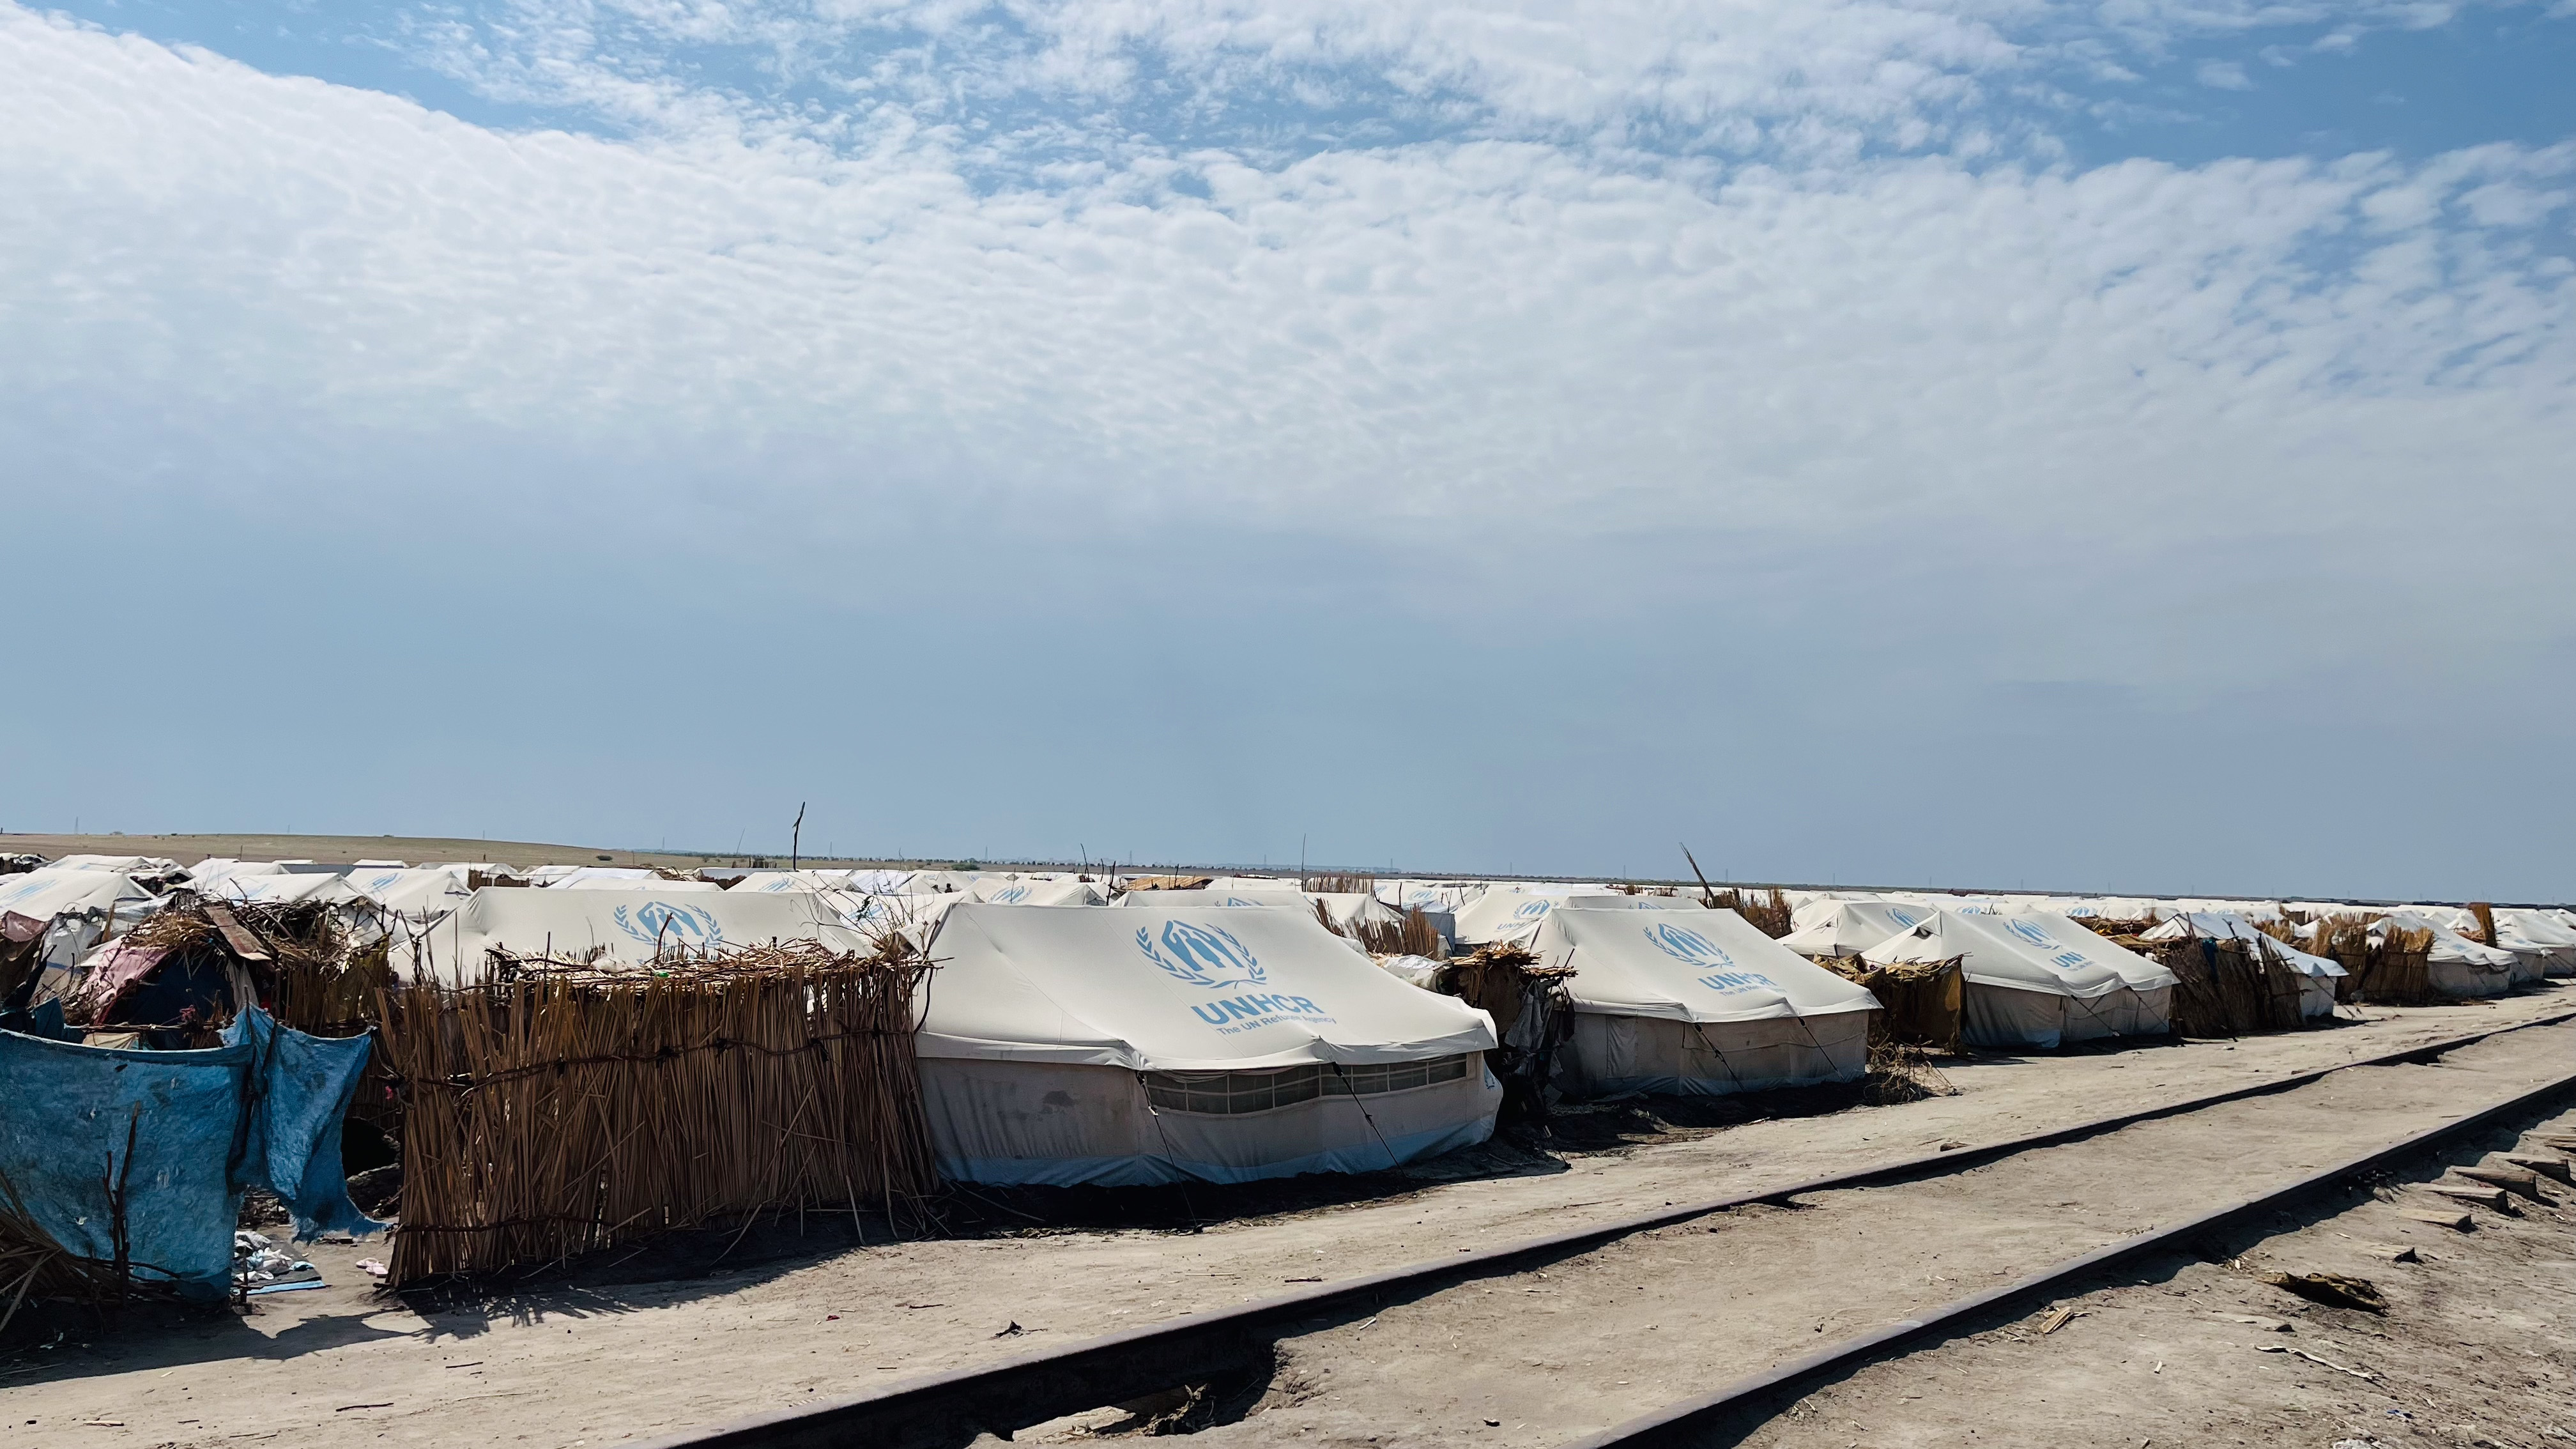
{"points": [[660, 885], [414, 893], [2543, 936], [1003, 891], [613, 928], [51, 918], [2027, 985], [2317, 974], [2147, 1008], [1697, 1001], [1514, 914], [1848, 928], [1164, 1042], [2457, 966], [1502, 913], [284, 890]]}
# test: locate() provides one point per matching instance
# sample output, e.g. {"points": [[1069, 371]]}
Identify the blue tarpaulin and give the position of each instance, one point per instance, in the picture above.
{"points": [[178, 1137]]}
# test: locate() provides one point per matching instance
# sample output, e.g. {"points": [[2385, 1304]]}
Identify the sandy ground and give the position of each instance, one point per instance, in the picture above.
{"points": [[2478, 1346], [1538, 1358], [594, 1365]]}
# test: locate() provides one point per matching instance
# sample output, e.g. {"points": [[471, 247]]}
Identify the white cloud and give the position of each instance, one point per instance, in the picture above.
{"points": [[1399, 328], [2223, 75], [1521, 340]]}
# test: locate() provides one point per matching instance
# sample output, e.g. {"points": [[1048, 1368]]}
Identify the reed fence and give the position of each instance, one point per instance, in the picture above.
{"points": [[551, 1110], [2230, 987], [1533, 1016], [1921, 1003], [1414, 935], [1768, 911], [2395, 970]]}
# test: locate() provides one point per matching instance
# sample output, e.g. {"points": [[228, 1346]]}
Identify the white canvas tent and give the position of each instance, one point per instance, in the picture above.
{"points": [[418, 892], [1004, 891], [2457, 966], [618, 928], [764, 882], [143, 865], [1351, 910], [280, 890], [2317, 974], [2543, 936], [1848, 928], [1697, 1001], [1164, 1042], [2147, 1008], [648, 880], [1513, 915], [68, 912], [2028, 985]]}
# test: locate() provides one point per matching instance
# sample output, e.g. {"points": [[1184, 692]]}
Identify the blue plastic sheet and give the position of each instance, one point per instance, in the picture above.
{"points": [[44, 1019], [177, 1137], [301, 1089]]}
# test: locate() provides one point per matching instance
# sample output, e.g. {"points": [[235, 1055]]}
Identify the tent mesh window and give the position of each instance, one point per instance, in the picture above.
{"points": [[1227, 1094]]}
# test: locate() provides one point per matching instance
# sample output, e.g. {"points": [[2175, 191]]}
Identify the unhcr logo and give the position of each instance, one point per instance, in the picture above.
{"points": [[1905, 918], [1208, 956], [1688, 946], [1010, 895], [1695, 950], [660, 923], [1531, 910], [2060, 957], [2030, 931]]}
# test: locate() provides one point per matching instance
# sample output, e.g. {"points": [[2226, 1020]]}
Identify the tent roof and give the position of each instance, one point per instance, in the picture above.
{"points": [[282, 889], [2223, 925], [1702, 965], [1847, 928], [44, 894], [626, 925], [1996, 952], [1174, 988], [1509, 915]]}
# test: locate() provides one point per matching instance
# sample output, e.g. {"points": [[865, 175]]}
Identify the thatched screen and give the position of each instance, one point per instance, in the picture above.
{"points": [[2395, 970], [1414, 935], [1532, 1013], [2230, 987], [1922, 1003], [1768, 911], [564, 1110]]}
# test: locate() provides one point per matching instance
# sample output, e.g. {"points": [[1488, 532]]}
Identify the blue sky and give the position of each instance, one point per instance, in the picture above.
{"points": [[1983, 443]]}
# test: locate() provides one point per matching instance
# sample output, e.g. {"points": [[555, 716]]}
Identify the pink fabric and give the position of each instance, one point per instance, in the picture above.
{"points": [[115, 967]]}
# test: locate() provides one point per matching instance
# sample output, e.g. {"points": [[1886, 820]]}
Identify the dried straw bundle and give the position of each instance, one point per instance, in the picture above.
{"points": [[1901, 1072], [2229, 987], [1339, 885], [35, 1268], [1412, 936], [1532, 1013], [1921, 1003], [551, 1109], [2395, 970], [1767, 911]]}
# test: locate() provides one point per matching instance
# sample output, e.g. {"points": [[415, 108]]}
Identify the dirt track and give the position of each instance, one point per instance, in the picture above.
{"points": [[596, 1365]]}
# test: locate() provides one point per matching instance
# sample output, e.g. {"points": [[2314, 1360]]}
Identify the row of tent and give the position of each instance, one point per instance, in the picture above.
{"points": [[1236, 1029]]}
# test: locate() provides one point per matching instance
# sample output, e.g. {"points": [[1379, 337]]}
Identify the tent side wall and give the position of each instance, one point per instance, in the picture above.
{"points": [[1614, 1053], [1998, 1016], [2003, 1016], [1059, 1125]]}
